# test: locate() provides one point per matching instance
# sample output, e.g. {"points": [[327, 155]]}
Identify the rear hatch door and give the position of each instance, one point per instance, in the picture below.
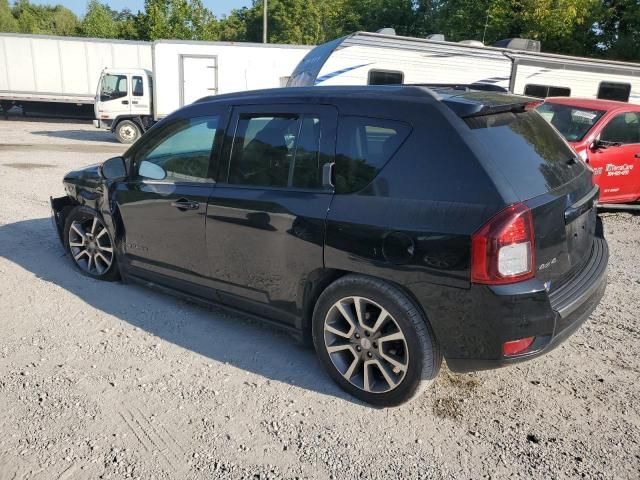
{"points": [[520, 149]]}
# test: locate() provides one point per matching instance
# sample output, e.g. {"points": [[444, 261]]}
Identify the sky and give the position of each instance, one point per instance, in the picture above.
{"points": [[218, 7]]}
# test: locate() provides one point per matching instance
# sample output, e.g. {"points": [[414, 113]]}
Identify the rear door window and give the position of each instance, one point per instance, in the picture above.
{"points": [[364, 147], [526, 150], [277, 150]]}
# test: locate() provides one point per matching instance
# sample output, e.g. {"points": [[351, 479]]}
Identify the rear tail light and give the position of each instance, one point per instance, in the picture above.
{"points": [[502, 250], [515, 347]]}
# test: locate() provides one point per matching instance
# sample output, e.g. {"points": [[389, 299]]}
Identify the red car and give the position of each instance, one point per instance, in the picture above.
{"points": [[606, 134]]}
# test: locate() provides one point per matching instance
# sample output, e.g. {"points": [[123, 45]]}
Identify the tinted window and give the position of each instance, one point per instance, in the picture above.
{"points": [[544, 91], [113, 87], [277, 151], [614, 91], [572, 122], [138, 87], [364, 147], [527, 151], [622, 129], [182, 150], [381, 77]]}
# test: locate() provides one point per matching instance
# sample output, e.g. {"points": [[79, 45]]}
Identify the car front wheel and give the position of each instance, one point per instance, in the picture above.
{"points": [[90, 244], [374, 341]]}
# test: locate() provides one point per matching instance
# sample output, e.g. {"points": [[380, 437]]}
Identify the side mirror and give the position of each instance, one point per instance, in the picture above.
{"points": [[114, 169], [151, 171]]}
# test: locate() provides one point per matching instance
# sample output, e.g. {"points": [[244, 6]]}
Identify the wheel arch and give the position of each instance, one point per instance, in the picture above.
{"points": [[318, 281], [134, 118]]}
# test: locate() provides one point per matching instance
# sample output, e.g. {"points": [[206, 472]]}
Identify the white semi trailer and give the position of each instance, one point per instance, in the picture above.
{"points": [[129, 101], [39, 71]]}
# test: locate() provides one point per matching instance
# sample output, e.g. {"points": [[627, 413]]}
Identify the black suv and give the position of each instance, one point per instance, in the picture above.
{"points": [[391, 226]]}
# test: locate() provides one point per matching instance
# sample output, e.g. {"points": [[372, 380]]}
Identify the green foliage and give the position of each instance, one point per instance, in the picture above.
{"points": [[45, 19], [8, 23], [607, 28], [99, 21]]}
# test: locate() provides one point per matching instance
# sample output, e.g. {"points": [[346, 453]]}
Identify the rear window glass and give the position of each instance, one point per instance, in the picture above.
{"points": [[572, 122], [364, 146], [527, 151]]}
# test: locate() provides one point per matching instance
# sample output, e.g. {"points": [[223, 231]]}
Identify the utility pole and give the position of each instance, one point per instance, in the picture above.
{"points": [[264, 21]]}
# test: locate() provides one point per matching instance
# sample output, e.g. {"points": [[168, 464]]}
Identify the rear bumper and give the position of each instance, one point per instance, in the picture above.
{"points": [[550, 317]]}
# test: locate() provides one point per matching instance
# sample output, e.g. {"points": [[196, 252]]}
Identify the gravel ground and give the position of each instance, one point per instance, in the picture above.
{"points": [[101, 380]]}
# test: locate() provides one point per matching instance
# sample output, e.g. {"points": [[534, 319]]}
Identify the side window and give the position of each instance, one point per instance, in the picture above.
{"points": [[544, 91], [181, 153], [280, 150], [138, 86], [622, 129], [385, 77], [113, 87], [364, 146], [614, 91]]}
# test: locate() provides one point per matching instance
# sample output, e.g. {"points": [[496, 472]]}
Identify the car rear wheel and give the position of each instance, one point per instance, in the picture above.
{"points": [[374, 341], [90, 244], [128, 131]]}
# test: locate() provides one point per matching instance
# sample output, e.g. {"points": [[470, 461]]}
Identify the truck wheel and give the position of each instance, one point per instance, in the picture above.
{"points": [[128, 131], [374, 341]]}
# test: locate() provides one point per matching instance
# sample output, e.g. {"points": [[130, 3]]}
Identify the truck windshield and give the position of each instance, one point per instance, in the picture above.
{"points": [[113, 87], [572, 122]]}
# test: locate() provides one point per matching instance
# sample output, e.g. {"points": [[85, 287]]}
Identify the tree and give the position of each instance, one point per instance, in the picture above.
{"points": [[7, 21], [45, 19], [99, 22]]}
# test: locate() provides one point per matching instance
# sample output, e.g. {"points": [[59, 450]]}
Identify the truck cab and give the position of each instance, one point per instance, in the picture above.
{"points": [[123, 103]]}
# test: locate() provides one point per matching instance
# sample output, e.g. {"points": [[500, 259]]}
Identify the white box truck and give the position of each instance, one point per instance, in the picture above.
{"points": [[39, 71], [129, 101]]}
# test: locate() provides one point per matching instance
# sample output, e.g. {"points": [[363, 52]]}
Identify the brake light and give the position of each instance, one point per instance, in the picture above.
{"points": [[502, 250], [514, 347]]}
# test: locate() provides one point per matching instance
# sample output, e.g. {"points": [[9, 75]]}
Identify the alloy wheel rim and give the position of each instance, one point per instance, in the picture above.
{"points": [[366, 344], [91, 245]]}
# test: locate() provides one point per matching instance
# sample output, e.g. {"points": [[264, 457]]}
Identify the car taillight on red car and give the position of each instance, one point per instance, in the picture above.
{"points": [[502, 250]]}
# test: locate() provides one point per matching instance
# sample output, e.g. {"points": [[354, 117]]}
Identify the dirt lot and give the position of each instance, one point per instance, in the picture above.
{"points": [[115, 381]]}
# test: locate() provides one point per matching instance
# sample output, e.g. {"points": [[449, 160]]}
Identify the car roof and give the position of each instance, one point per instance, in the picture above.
{"points": [[593, 103], [463, 102]]}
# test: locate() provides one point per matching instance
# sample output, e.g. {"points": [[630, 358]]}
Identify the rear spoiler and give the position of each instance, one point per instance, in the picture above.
{"points": [[475, 104]]}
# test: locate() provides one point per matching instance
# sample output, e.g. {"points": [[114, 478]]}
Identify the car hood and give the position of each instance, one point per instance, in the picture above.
{"points": [[88, 176]]}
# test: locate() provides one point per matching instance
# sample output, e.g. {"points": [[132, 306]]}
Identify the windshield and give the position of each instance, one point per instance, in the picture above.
{"points": [[113, 87], [572, 122]]}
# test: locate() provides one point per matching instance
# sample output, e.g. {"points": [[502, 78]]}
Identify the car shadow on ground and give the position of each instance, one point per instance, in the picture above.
{"points": [[214, 333], [83, 135]]}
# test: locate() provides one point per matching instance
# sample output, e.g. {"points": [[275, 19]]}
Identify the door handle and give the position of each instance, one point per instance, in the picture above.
{"points": [[637, 155], [135, 102], [183, 205], [125, 102]]}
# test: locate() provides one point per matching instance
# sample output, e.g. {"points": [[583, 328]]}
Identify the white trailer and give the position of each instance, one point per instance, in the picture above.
{"points": [[130, 101], [364, 58], [40, 69]]}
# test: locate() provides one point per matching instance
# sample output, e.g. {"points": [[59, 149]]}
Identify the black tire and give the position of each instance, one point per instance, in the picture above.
{"points": [[80, 216], [422, 349], [128, 131]]}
